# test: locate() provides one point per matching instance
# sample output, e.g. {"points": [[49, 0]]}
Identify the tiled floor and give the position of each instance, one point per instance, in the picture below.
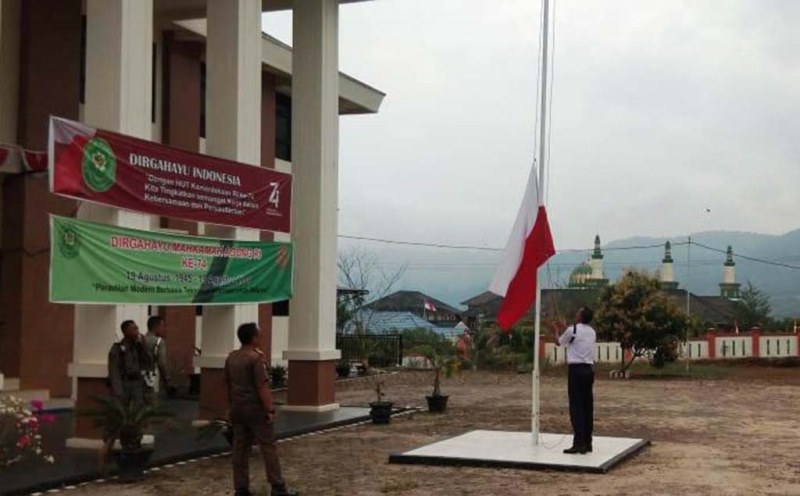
{"points": [[73, 465]]}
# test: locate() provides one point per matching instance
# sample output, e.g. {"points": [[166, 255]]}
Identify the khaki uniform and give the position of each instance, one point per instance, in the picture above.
{"points": [[157, 350], [127, 361], [245, 372]]}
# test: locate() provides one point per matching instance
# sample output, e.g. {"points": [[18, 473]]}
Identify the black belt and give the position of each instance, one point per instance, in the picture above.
{"points": [[580, 364]]}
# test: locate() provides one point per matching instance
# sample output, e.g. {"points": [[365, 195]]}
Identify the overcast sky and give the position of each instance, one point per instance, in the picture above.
{"points": [[661, 109]]}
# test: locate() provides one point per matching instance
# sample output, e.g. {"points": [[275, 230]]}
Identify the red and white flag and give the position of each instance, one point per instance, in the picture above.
{"points": [[429, 306], [529, 246], [9, 159], [15, 159]]}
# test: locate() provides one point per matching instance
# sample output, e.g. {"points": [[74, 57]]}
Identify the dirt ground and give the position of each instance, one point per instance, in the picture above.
{"points": [[733, 436]]}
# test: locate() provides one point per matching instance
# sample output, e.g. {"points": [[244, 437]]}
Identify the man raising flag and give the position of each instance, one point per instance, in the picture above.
{"points": [[529, 246]]}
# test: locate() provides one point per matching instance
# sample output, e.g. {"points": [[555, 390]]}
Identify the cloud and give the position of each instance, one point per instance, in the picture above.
{"points": [[660, 109]]}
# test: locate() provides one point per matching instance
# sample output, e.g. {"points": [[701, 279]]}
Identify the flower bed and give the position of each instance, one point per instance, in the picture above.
{"points": [[20, 435]]}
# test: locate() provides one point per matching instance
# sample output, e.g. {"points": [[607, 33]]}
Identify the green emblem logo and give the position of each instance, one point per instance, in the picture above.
{"points": [[69, 244], [99, 165]]}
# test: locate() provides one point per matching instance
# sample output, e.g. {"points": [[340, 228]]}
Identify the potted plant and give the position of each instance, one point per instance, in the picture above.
{"points": [[343, 369], [440, 364], [126, 424], [277, 375], [380, 411]]}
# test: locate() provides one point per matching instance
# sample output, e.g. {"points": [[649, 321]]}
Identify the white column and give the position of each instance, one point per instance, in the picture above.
{"points": [[315, 150], [119, 38], [9, 68], [233, 131], [729, 274], [667, 274]]}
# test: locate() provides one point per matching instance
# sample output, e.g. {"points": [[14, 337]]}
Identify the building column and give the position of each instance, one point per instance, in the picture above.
{"points": [[9, 68], [233, 131], [711, 338], [9, 96], [119, 38], [755, 335], [312, 349]]}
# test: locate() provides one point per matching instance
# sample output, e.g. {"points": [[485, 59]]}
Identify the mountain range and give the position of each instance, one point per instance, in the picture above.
{"points": [[455, 275]]}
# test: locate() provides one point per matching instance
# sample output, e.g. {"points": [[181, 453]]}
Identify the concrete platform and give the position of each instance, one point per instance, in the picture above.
{"points": [[503, 449]]}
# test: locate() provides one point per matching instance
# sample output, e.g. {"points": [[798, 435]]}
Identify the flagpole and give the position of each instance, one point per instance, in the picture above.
{"points": [[537, 318]]}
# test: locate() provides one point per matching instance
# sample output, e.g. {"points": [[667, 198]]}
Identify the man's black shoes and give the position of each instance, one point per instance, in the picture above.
{"points": [[576, 450], [282, 490]]}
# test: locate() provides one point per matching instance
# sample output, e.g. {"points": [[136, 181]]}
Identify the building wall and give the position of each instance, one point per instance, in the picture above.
{"points": [[50, 44], [180, 127], [50, 83]]}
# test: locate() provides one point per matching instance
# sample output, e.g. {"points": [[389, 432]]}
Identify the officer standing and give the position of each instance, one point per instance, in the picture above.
{"points": [[127, 361], [156, 345], [579, 340], [252, 413]]}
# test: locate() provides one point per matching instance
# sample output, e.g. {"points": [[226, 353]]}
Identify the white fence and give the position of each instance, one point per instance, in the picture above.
{"points": [[603, 353], [713, 347], [778, 346]]}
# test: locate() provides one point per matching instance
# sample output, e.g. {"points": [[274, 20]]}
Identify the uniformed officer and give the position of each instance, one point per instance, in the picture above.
{"points": [[127, 362], [579, 340], [156, 345], [252, 412]]}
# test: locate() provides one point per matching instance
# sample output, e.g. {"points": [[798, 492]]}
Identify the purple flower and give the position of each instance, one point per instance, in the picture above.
{"points": [[37, 405]]}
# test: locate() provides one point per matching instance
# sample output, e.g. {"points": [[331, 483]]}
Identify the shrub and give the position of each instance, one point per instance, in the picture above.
{"points": [[277, 375], [343, 369]]}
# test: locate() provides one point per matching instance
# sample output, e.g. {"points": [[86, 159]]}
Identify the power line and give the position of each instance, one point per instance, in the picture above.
{"points": [[572, 250], [487, 248], [746, 257], [413, 243]]}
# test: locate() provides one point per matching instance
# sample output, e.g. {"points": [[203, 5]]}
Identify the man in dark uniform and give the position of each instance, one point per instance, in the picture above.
{"points": [[252, 413], [127, 362]]}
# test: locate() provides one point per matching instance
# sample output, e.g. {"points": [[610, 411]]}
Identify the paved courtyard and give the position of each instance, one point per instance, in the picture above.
{"points": [[737, 434]]}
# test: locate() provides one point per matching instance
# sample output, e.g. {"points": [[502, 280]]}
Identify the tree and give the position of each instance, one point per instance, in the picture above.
{"points": [[635, 313], [360, 272], [414, 339], [753, 308]]}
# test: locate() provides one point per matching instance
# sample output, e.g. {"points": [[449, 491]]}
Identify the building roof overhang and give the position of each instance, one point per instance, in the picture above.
{"points": [[355, 97]]}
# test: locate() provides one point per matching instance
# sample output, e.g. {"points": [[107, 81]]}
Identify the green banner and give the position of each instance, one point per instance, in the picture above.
{"points": [[95, 263]]}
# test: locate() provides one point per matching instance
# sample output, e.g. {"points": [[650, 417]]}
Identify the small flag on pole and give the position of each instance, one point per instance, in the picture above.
{"points": [[529, 246]]}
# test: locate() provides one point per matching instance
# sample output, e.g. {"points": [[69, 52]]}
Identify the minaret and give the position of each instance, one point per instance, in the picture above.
{"points": [[729, 288], [667, 278], [598, 278]]}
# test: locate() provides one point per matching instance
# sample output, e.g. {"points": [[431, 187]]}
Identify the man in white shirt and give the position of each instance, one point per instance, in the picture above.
{"points": [[579, 340]]}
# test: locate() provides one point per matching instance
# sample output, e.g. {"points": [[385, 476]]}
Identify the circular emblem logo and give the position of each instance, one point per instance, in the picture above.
{"points": [[69, 244], [99, 165]]}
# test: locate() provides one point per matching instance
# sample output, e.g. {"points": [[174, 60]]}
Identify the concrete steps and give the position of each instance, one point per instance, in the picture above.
{"points": [[10, 387]]}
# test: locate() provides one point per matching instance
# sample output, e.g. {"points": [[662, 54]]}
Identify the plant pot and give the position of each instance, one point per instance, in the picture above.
{"points": [[132, 463], [437, 403], [194, 384], [381, 412]]}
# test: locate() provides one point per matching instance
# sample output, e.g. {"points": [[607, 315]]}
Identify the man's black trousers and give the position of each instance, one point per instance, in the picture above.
{"points": [[581, 403]]}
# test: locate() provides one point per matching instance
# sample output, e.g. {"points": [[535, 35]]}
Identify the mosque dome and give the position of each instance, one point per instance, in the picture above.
{"points": [[580, 275]]}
